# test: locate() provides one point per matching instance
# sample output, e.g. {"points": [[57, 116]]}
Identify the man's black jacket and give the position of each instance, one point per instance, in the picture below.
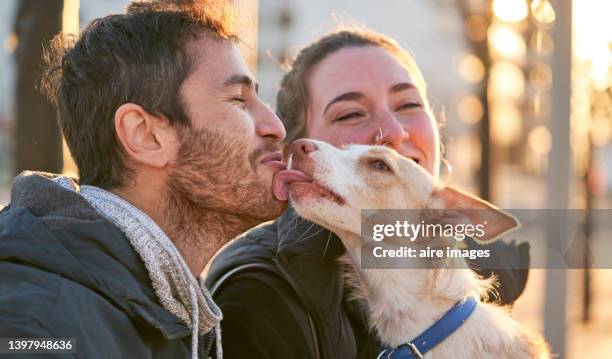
{"points": [[291, 301], [65, 271]]}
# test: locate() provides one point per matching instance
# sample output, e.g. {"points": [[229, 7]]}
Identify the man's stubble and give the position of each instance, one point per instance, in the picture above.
{"points": [[214, 192]]}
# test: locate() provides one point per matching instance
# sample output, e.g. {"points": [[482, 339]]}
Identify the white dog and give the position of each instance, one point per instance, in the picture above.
{"points": [[331, 186]]}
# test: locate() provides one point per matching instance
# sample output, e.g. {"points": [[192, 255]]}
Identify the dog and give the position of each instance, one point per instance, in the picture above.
{"points": [[330, 186]]}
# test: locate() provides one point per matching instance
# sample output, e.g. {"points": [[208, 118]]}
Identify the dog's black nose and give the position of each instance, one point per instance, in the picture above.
{"points": [[303, 147]]}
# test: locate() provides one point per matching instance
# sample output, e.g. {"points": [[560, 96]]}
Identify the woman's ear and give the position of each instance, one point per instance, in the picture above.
{"points": [[147, 139], [460, 206]]}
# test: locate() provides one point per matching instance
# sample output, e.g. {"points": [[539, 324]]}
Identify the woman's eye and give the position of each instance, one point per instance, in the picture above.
{"points": [[380, 165], [349, 116], [408, 105]]}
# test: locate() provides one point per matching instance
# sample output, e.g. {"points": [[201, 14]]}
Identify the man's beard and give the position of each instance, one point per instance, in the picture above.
{"points": [[214, 189]]}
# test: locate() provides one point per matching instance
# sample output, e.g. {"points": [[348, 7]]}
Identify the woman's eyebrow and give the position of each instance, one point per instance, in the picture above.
{"points": [[401, 87], [348, 96]]}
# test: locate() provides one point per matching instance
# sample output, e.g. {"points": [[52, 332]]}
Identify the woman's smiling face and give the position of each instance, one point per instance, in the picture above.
{"points": [[364, 95]]}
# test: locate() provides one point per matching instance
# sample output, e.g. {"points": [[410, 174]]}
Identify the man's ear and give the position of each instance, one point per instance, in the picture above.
{"points": [[455, 203], [147, 139]]}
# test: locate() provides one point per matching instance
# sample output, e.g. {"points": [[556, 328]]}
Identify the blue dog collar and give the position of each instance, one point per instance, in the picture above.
{"points": [[434, 335]]}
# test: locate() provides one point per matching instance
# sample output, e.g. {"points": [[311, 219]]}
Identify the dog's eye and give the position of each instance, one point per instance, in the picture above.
{"points": [[380, 165]]}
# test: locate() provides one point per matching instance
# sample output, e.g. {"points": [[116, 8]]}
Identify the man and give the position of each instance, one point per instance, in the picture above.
{"points": [[176, 155]]}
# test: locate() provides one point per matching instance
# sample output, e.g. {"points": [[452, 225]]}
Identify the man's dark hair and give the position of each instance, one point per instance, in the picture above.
{"points": [[139, 57]]}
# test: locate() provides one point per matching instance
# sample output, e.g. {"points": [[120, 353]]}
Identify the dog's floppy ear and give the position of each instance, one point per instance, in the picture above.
{"points": [[456, 203]]}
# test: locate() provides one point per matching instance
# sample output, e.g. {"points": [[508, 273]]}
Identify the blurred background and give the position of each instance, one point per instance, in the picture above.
{"points": [[524, 88]]}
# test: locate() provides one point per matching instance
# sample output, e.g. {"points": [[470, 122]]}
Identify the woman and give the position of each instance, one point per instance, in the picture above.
{"points": [[280, 286]]}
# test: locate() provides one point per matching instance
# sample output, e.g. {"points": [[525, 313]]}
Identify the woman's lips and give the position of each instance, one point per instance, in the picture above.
{"points": [[283, 179]]}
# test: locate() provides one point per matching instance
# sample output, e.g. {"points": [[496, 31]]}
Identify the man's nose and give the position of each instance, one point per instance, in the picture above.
{"points": [[269, 125], [302, 147]]}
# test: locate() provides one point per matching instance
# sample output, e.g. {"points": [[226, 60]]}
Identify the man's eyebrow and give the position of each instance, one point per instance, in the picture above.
{"points": [[401, 87], [242, 80], [348, 96]]}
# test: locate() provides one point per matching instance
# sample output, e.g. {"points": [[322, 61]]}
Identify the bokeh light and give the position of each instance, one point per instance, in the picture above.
{"points": [[539, 140], [540, 76], [601, 131], [542, 42], [506, 123], [476, 28], [470, 109], [542, 12], [471, 68], [11, 43], [593, 38], [506, 42], [540, 105], [510, 10], [506, 80]]}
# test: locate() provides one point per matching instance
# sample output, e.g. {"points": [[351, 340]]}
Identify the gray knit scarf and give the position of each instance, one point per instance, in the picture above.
{"points": [[177, 289]]}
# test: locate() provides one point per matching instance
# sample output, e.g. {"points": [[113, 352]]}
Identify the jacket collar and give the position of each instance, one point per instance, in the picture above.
{"points": [[82, 246]]}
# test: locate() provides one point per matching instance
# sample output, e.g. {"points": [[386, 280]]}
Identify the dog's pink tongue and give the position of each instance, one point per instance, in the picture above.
{"points": [[282, 180]]}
